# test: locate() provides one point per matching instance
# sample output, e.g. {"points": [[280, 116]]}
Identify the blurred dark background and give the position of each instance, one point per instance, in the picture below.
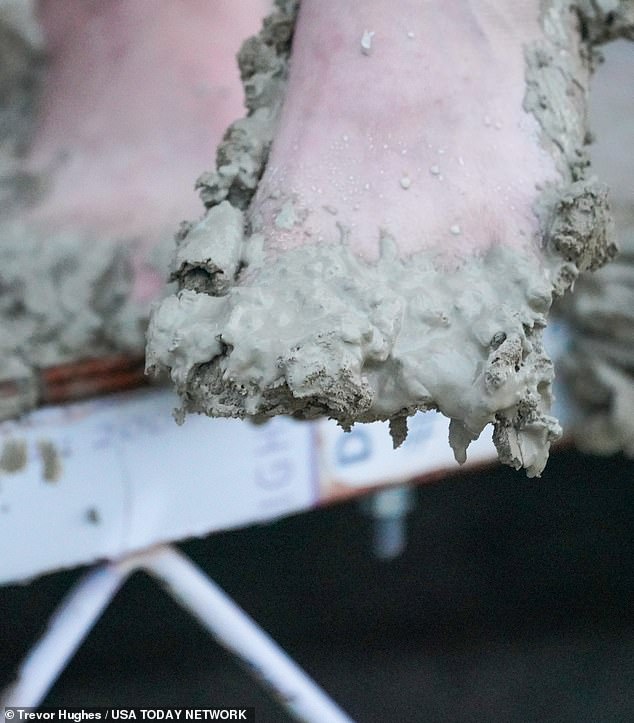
{"points": [[513, 602]]}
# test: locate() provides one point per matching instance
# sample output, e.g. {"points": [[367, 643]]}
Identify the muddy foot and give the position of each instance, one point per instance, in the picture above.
{"points": [[422, 200], [94, 168]]}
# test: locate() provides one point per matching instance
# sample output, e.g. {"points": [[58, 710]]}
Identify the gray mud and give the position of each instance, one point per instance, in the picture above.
{"points": [[21, 70], [318, 331], [242, 155], [391, 339], [62, 298], [599, 365]]}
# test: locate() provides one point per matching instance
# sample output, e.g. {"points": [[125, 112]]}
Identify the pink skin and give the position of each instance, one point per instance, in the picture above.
{"points": [[136, 99], [436, 105], [138, 94]]}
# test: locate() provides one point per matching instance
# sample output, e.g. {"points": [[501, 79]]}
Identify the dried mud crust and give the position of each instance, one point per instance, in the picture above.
{"points": [[320, 332]]}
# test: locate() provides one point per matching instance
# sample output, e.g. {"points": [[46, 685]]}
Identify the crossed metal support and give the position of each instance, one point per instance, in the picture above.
{"points": [[203, 599]]}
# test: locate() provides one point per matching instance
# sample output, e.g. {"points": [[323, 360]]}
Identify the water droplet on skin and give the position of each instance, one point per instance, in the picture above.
{"points": [[345, 139], [411, 35], [441, 151], [367, 186], [404, 152], [498, 125], [434, 170], [366, 42], [455, 229], [405, 182], [487, 121], [461, 160]]}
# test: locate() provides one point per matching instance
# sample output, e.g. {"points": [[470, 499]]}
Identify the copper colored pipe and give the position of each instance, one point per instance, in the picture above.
{"points": [[91, 377]]}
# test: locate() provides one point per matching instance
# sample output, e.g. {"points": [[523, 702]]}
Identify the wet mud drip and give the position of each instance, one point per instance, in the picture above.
{"points": [[377, 341]]}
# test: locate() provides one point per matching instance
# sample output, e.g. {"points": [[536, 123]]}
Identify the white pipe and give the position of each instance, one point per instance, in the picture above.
{"points": [[71, 622], [230, 626], [236, 632]]}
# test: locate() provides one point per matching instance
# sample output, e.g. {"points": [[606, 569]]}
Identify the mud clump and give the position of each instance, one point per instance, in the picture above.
{"points": [[242, 155]]}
